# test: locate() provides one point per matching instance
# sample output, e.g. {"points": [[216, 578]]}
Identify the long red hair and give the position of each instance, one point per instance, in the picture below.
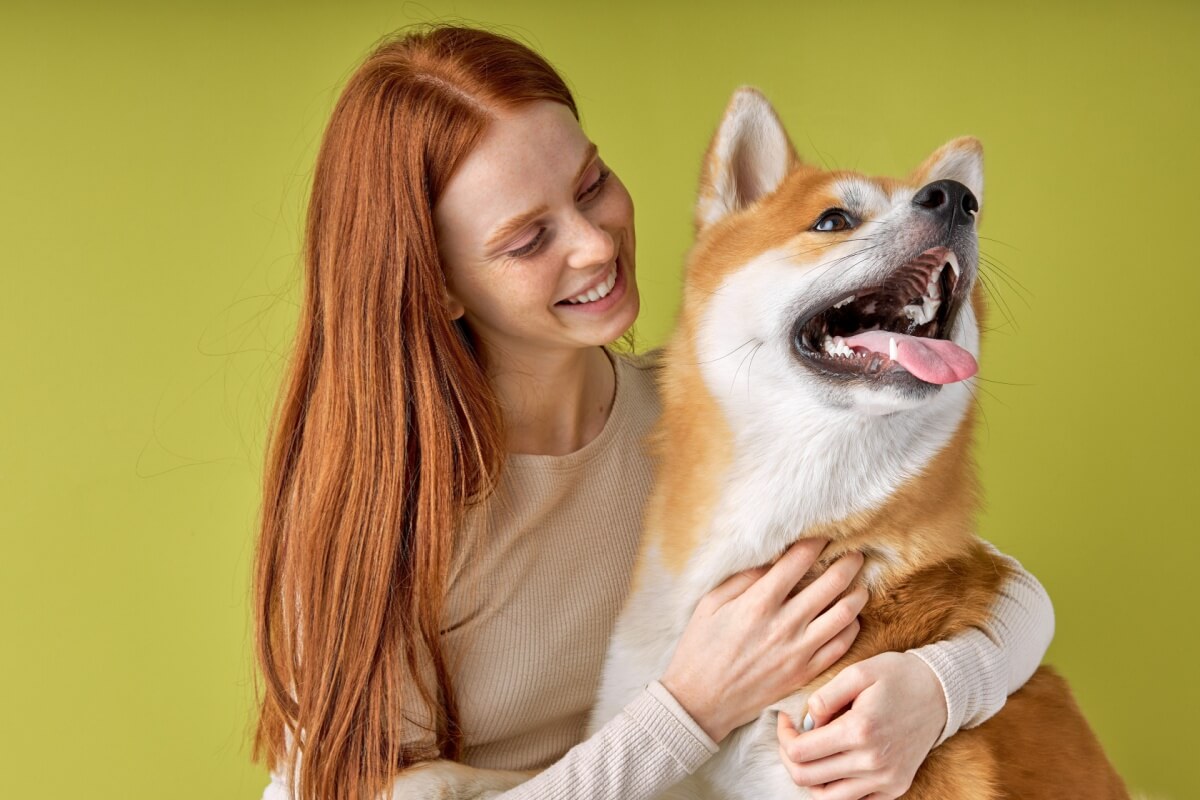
{"points": [[386, 428]]}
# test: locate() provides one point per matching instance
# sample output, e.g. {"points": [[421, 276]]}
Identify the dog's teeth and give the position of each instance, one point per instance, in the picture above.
{"points": [[924, 312], [836, 346], [892, 348], [841, 303]]}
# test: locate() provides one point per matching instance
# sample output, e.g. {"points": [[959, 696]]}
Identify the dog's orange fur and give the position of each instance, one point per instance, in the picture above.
{"points": [[943, 580]]}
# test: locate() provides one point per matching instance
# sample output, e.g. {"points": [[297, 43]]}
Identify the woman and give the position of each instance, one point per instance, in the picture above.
{"points": [[453, 493]]}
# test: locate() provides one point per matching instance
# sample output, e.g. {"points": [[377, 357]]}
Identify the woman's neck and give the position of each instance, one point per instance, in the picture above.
{"points": [[556, 403]]}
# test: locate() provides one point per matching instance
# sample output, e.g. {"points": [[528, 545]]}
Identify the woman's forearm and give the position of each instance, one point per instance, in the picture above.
{"points": [[980, 667], [651, 745]]}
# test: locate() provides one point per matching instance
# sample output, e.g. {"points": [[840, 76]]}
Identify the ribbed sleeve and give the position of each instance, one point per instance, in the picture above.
{"points": [[981, 667], [651, 745]]}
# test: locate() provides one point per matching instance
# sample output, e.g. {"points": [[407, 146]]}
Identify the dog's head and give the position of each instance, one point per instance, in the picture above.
{"points": [[829, 287]]}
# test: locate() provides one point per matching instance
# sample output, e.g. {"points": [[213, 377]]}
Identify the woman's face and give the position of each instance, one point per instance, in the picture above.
{"points": [[536, 236]]}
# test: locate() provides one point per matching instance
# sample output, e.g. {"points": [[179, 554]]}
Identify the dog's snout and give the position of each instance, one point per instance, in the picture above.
{"points": [[949, 199]]}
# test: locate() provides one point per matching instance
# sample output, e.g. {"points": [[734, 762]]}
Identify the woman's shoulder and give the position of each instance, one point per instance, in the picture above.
{"points": [[649, 361], [637, 376]]}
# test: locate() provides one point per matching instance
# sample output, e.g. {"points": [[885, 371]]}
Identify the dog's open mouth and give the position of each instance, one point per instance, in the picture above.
{"points": [[901, 326]]}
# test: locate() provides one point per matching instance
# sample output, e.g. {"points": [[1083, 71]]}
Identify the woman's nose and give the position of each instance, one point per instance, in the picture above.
{"points": [[591, 244]]}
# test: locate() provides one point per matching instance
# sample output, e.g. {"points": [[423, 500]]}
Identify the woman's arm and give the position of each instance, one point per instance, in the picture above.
{"points": [[652, 744], [904, 704], [981, 667], [749, 643]]}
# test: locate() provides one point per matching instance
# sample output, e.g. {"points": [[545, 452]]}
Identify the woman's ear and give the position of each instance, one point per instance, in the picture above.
{"points": [[453, 306]]}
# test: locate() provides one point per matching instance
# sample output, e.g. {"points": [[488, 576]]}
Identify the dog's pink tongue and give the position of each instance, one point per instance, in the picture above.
{"points": [[931, 360]]}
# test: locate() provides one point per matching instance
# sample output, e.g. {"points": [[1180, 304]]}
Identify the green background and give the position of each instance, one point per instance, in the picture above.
{"points": [[154, 161]]}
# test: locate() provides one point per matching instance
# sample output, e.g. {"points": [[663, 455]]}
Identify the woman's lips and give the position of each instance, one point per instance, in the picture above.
{"points": [[604, 303]]}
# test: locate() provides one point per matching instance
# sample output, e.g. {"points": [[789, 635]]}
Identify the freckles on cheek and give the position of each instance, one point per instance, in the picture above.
{"points": [[516, 302]]}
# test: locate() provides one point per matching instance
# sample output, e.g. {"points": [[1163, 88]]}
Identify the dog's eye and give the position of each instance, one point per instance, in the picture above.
{"points": [[834, 220]]}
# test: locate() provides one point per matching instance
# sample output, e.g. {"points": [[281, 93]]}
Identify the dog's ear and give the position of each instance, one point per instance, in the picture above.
{"points": [[958, 160], [749, 157]]}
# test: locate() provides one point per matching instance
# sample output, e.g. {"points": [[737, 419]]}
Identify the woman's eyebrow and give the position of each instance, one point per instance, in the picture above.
{"points": [[588, 157], [511, 226]]}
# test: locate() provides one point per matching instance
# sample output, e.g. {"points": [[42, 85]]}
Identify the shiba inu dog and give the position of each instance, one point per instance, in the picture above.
{"points": [[818, 384]]}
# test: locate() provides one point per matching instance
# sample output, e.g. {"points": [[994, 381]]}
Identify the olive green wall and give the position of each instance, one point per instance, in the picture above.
{"points": [[153, 165]]}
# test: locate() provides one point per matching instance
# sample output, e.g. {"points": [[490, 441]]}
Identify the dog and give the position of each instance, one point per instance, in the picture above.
{"points": [[819, 384]]}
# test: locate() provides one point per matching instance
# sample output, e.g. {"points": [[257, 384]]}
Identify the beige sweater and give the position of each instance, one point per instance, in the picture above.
{"points": [[535, 590]]}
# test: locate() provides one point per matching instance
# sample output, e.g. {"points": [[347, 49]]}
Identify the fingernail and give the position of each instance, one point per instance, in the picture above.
{"points": [[809, 723]]}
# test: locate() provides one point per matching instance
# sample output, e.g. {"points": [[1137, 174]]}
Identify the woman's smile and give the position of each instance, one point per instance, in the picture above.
{"points": [[602, 295]]}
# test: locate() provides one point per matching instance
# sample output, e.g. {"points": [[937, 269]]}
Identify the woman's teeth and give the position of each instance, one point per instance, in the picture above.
{"points": [[598, 292]]}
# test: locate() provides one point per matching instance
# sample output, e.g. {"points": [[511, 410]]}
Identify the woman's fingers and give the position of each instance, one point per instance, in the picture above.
{"points": [[849, 789], [732, 587], [834, 770], [827, 770], [826, 702], [774, 587], [809, 602], [834, 619], [821, 742], [785, 727], [830, 652]]}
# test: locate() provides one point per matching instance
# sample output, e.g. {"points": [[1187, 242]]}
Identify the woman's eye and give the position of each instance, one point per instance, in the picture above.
{"points": [[595, 188], [530, 246], [834, 220]]}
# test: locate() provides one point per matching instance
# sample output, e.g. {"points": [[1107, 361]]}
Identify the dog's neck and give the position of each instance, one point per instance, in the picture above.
{"points": [[738, 486]]}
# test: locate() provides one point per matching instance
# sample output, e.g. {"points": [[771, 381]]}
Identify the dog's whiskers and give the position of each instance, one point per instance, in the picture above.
{"points": [[979, 405], [727, 355], [749, 355], [998, 301], [749, 368], [1000, 382], [1019, 288]]}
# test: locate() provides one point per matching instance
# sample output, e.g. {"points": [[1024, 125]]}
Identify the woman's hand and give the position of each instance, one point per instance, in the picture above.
{"points": [[896, 711], [748, 644]]}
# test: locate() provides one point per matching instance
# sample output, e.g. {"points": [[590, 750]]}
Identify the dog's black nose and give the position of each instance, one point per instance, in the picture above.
{"points": [[948, 199]]}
